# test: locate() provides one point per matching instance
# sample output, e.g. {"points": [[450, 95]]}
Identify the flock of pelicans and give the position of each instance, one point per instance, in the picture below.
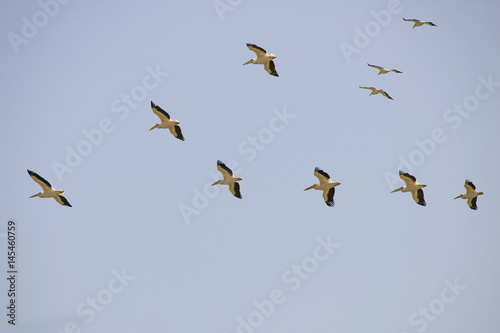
{"points": [[325, 183]]}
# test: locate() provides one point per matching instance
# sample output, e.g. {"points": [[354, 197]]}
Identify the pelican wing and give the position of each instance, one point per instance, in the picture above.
{"points": [[235, 189], [371, 88], [418, 196], [395, 71], [469, 186], [408, 179], [62, 200], [257, 49], [226, 172], [412, 20], [472, 202], [322, 176], [176, 131], [328, 196], [162, 114], [270, 68], [431, 24], [40, 180], [377, 67], [386, 95]]}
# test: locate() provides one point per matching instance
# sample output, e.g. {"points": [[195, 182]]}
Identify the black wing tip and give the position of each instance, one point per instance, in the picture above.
{"points": [[219, 162], [422, 203], [31, 173], [65, 201], [153, 104], [330, 203]]}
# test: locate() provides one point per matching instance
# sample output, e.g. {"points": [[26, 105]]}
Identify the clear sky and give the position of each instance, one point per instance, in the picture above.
{"points": [[149, 246]]}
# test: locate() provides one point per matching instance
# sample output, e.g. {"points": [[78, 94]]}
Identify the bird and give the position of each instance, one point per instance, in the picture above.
{"points": [[48, 190], [262, 58], [377, 91], [326, 185], [419, 23], [166, 122], [228, 179], [383, 70], [412, 186], [471, 194]]}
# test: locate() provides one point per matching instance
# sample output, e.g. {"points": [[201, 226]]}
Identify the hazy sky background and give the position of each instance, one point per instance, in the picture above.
{"points": [[195, 258]]}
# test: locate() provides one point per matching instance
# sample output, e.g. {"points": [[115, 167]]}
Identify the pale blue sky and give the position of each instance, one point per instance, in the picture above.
{"points": [[192, 263]]}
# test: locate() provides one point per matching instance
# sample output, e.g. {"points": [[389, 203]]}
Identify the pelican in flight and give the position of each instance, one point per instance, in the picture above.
{"points": [[48, 190], [412, 186], [325, 184], [383, 70], [377, 91], [228, 179], [166, 122], [470, 195], [419, 23], [262, 58]]}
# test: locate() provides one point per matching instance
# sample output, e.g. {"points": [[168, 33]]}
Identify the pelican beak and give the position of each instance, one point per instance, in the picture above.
{"points": [[457, 197], [310, 187], [217, 182], [398, 189], [35, 195], [248, 62], [152, 128]]}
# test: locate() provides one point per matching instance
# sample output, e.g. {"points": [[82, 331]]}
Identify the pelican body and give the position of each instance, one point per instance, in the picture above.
{"points": [[48, 190], [228, 179], [377, 91], [383, 70], [471, 194], [412, 186], [262, 59], [326, 185], [166, 122], [419, 23]]}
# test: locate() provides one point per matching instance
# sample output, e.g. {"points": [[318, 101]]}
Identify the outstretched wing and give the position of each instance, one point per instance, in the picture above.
{"points": [[40, 180], [176, 131], [270, 68], [62, 200], [328, 196], [226, 172], [235, 189], [257, 49], [162, 114]]}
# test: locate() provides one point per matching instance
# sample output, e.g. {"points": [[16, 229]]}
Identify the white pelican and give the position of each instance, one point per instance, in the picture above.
{"points": [[325, 184], [419, 23], [262, 58], [383, 70], [228, 179], [470, 195], [166, 122], [48, 190], [412, 186], [377, 91]]}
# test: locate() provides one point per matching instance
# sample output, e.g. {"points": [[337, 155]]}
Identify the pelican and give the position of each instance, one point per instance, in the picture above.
{"points": [[383, 70], [325, 184], [48, 190], [470, 195], [166, 122], [228, 179], [262, 58], [412, 186], [419, 23], [377, 91]]}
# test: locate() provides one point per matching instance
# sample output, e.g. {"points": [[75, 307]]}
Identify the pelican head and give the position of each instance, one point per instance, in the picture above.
{"points": [[251, 61], [399, 189], [312, 186]]}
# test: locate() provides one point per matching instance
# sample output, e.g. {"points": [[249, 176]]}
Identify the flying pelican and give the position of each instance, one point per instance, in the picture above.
{"points": [[228, 179], [166, 122], [384, 70], [377, 91], [470, 195], [262, 58], [48, 190], [419, 23], [325, 184], [412, 186]]}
